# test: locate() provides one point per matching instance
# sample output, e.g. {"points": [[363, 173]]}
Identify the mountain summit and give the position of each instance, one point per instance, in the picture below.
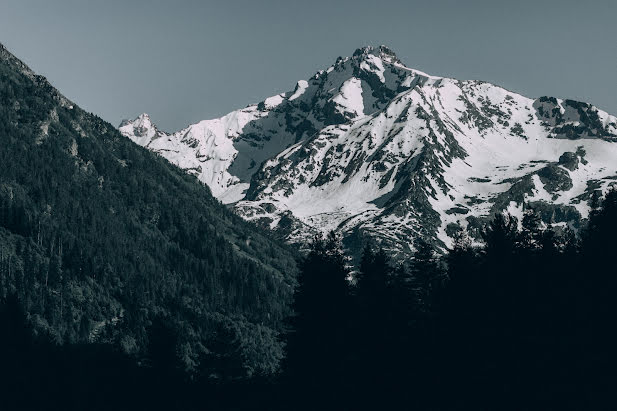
{"points": [[374, 149]]}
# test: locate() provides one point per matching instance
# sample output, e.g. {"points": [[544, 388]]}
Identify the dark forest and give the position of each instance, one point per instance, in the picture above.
{"points": [[524, 321]]}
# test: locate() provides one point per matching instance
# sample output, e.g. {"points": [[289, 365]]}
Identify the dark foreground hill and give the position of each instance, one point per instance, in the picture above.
{"points": [[99, 238]]}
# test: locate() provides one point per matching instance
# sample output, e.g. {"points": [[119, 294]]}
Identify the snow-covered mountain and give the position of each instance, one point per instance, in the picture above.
{"points": [[374, 149]]}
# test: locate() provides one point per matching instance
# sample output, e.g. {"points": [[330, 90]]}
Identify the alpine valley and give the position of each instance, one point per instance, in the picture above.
{"points": [[376, 150]]}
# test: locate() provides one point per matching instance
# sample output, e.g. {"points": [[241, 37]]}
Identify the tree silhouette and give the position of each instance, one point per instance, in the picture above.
{"points": [[426, 274], [318, 342]]}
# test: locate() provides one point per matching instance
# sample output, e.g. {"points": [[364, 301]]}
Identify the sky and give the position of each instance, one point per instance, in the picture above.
{"points": [[183, 61]]}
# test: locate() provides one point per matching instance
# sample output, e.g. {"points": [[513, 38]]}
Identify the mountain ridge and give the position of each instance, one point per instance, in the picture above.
{"points": [[100, 238], [374, 149]]}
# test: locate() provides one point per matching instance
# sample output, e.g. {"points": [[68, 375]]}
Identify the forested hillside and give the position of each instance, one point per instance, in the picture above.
{"points": [[99, 238]]}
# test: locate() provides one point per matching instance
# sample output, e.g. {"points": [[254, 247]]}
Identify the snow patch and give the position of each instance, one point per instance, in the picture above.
{"points": [[301, 87], [374, 64], [349, 99]]}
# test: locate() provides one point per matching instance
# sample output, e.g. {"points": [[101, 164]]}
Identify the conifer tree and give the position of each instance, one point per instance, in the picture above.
{"points": [[372, 280], [426, 274], [531, 233], [318, 341], [373, 326]]}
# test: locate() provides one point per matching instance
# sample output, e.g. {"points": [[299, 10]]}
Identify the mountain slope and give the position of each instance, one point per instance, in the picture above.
{"points": [[99, 237], [374, 149]]}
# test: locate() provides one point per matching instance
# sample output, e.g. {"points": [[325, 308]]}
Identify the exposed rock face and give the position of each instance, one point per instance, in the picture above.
{"points": [[372, 148]]}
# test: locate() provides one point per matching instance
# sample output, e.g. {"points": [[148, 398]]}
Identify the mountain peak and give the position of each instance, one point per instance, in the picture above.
{"points": [[144, 117], [372, 148], [141, 118], [141, 127], [382, 52]]}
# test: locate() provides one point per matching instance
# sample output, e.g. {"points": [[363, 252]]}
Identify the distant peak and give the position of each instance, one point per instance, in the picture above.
{"points": [[140, 127], [141, 120], [386, 51], [383, 52]]}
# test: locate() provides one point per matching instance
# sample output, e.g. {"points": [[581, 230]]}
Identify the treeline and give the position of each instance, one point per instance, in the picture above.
{"points": [[526, 320]]}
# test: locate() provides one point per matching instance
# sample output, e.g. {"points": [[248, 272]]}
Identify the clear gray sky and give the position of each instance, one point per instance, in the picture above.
{"points": [[188, 60]]}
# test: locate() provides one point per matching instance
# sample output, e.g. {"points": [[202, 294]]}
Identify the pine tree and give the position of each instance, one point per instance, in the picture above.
{"points": [[598, 286], [531, 233], [372, 352], [372, 280], [319, 339], [500, 237], [426, 274]]}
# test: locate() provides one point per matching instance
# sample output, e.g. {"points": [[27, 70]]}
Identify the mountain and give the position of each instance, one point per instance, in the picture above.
{"points": [[100, 238], [374, 149]]}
